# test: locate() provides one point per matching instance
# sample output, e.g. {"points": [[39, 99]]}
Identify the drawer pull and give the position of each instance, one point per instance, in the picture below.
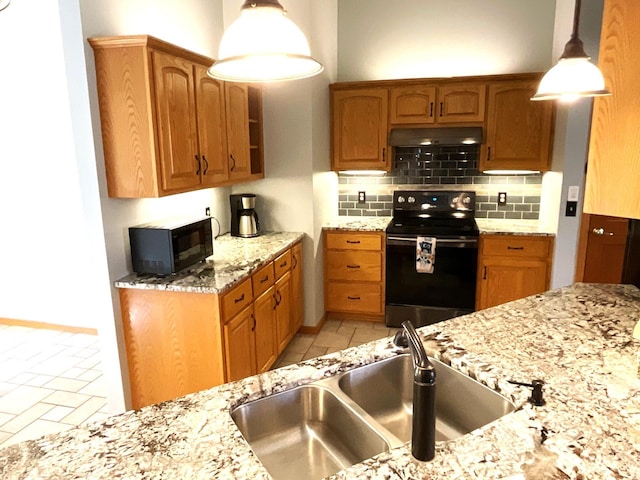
{"points": [[283, 264], [353, 266], [509, 247], [353, 298], [353, 241], [253, 329], [241, 298], [265, 279], [484, 273]]}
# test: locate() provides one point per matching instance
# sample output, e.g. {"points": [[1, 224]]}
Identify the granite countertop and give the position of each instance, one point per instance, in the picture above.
{"points": [[486, 226], [233, 260], [578, 339]]}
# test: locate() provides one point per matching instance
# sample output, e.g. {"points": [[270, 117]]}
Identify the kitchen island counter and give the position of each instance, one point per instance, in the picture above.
{"points": [[578, 339]]}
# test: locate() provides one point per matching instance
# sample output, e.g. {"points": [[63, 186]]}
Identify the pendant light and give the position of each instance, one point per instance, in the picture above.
{"points": [[4, 4], [574, 76], [263, 45]]}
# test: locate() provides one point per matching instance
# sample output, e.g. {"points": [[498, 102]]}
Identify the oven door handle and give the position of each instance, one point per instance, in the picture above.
{"points": [[448, 242]]}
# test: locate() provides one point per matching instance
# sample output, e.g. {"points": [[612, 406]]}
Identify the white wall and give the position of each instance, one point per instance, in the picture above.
{"points": [[297, 189], [195, 25], [379, 39], [572, 138], [46, 252]]}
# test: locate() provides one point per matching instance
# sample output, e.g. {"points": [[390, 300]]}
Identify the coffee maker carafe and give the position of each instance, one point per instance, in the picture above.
{"points": [[244, 219]]}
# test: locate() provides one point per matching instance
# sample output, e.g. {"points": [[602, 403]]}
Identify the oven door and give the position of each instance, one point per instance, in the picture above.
{"points": [[426, 298]]}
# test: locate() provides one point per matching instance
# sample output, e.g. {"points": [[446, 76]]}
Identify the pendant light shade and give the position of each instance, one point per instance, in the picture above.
{"points": [[263, 45], [574, 76]]}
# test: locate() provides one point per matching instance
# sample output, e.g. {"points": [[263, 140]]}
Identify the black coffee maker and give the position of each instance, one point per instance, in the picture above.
{"points": [[244, 219]]}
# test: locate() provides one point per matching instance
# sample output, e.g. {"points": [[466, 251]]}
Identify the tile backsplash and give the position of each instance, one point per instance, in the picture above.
{"points": [[441, 168]]}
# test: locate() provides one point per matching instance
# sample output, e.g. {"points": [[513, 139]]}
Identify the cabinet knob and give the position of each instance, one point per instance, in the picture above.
{"points": [[601, 231]]}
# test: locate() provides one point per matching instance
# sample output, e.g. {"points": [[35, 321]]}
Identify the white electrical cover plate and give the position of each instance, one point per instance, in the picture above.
{"points": [[574, 193]]}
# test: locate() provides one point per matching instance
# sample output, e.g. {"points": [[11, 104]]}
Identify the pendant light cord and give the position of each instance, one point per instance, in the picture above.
{"points": [[576, 19]]}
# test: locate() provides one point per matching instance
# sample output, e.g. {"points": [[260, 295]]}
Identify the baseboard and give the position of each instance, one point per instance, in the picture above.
{"points": [[47, 326], [358, 317], [315, 329]]}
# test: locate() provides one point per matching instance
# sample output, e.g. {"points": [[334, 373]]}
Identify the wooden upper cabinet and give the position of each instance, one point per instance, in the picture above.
{"points": [[518, 131], [418, 104], [176, 115], [212, 128], [613, 169], [461, 103], [237, 103], [167, 127], [410, 105], [359, 129]]}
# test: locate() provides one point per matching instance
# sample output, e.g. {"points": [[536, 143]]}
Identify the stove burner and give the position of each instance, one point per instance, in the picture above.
{"points": [[435, 213]]}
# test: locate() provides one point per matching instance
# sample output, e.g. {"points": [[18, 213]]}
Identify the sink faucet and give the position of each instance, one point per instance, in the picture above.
{"points": [[423, 435]]}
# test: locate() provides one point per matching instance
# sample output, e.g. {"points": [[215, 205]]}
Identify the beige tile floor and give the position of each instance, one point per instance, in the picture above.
{"points": [[336, 334], [50, 381]]}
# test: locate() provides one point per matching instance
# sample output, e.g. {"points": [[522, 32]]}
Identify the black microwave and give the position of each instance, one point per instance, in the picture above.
{"points": [[166, 247]]}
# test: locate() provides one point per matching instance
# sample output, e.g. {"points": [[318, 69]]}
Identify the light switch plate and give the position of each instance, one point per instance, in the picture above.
{"points": [[573, 193]]}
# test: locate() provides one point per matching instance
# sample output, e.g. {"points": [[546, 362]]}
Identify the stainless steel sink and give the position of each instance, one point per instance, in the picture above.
{"points": [[306, 432], [385, 391], [316, 430]]}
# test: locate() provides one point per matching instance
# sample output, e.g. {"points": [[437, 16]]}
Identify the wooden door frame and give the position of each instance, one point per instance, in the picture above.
{"points": [[583, 239]]}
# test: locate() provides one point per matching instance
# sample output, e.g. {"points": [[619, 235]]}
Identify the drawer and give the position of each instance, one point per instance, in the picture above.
{"points": [[353, 241], [358, 265], [263, 279], [516, 246], [354, 297], [282, 264], [236, 299]]}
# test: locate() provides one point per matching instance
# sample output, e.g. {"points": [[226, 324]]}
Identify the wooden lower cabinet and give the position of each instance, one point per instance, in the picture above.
{"points": [[181, 342], [284, 323], [173, 342], [266, 347], [354, 273], [297, 292], [240, 345], [512, 267]]}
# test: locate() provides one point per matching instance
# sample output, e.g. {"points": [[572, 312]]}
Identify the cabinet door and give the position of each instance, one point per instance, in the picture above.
{"points": [[212, 128], [297, 289], [519, 131], [237, 105], [461, 103], [505, 279], [284, 325], [239, 345], [176, 122], [360, 129], [265, 332], [613, 172], [413, 104]]}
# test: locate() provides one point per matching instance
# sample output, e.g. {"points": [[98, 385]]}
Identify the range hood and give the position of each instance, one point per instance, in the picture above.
{"points": [[418, 137]]}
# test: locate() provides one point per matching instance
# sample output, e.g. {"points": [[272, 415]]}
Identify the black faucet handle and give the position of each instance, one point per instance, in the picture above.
{"points": [[536, 397], [400, 339]]}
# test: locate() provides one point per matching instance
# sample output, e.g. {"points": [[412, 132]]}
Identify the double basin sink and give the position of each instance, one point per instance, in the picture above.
{"points": [[315, 430]]}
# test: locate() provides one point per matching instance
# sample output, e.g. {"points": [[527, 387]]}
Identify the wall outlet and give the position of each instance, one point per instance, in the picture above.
{"points": [[362, 197], [502, 198], [207, 211]]}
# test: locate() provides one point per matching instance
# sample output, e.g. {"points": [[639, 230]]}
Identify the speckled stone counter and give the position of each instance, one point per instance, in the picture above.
{"points": [[363, 224], [233, 259], [577, 339], [512, 227], [486, 226]]}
